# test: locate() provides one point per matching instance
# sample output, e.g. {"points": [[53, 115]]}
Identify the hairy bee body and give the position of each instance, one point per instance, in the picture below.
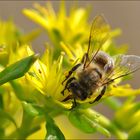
{"points": [[87, 80]]}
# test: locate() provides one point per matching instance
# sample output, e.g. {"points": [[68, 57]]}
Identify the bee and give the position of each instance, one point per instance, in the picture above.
{"points": [[97, 69]]}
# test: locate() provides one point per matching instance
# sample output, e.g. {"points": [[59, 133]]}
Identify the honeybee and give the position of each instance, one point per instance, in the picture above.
{"points": [[97, 69]]}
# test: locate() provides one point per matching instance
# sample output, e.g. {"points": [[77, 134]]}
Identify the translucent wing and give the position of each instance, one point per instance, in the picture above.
{"points": [[124, 65], [99, 33]]}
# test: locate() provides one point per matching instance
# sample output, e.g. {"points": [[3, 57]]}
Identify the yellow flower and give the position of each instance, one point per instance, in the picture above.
{"points": [[47, 74], [66, 27]]}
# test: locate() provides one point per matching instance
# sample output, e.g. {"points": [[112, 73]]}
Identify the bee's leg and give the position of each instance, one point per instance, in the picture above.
{"points": [[67, 83], [71, 71], [74, 103], [100, 95], [67, 98]]}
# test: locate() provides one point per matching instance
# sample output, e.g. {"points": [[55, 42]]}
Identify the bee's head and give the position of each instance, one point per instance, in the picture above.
{"points": [[77, 90]]}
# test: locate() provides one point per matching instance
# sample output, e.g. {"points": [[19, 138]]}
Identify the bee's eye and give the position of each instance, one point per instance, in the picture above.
{"points": [[73, 84]]}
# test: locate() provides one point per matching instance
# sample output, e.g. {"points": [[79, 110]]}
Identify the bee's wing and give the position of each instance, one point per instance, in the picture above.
{"points": [[124, 65], [99, 33]]}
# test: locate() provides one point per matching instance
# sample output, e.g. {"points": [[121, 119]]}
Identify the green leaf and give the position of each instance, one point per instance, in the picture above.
{"points": [[29, 109], [17, 69], [19, 91], [86, 124], [1, 102], [82, 122], [53, 132], [134, 133], [30, 121], [5, 118], [2, 133]]}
